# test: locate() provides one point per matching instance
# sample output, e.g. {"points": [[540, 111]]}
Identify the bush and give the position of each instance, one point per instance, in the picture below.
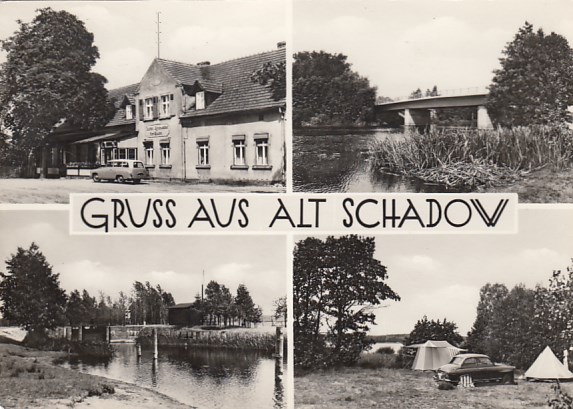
{"points": [[100, 389], [385, 350], [376, 360]]}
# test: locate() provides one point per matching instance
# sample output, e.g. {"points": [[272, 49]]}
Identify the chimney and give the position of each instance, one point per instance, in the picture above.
{"points": [[281, 44], [203, 63]]}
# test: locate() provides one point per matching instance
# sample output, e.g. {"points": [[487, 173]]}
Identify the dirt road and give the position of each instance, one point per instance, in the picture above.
{"points": [[28, 191]]}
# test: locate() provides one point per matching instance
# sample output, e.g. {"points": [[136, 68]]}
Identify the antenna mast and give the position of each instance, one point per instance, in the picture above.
{"points": [[202, 285], [158, 34]]}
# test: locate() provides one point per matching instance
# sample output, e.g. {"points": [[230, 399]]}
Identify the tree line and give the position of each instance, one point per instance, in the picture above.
{"points": [[511, 325], [515, 325], [31, 297]]}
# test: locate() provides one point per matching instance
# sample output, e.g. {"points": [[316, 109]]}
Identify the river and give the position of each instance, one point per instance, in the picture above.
{"points": [[329, 161], [204, 378]]}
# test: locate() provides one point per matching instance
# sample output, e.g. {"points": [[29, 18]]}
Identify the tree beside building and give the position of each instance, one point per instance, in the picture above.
{"points": [[47, 81]]}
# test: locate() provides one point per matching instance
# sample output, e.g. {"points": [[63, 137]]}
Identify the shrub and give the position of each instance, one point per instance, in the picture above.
{"points": [[385, 350], [100, 389], [376, 360]]}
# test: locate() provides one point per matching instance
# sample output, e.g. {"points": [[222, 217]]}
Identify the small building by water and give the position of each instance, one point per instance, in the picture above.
{"points": [[184, 315]]}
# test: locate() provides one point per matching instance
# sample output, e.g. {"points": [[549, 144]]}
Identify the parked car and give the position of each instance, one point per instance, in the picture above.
{"points": [[479, 367], [121, 170]]}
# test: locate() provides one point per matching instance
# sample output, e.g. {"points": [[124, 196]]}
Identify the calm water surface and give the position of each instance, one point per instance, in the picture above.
{"points": [[197, 377], [329, 162]]}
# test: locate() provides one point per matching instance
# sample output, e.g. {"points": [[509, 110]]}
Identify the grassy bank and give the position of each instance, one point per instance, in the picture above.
{"points": [[29, 379], [404, 389], [473, 159]]}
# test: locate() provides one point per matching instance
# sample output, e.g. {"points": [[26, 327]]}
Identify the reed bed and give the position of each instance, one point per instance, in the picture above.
{"points": [[470, 159], [243, 340]]}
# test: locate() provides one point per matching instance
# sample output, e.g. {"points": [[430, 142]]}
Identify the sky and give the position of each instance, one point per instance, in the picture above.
{"points": [[113, 263], [402, 45], [440, 275], [125, 32]]}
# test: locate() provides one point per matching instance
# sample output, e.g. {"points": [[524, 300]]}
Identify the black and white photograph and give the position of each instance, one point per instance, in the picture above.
{"points": [[143, 97], [139, 322], [419, 321], [433, 96]]}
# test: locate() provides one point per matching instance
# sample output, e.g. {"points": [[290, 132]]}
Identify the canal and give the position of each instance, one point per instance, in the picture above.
{"points": [[204, 378], [329, 161]]}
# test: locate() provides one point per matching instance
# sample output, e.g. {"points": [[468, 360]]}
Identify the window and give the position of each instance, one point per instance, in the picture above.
{"points": [[239, 150], [129, 112], [165, 154], [125, 153], [261, 151], [203, 150], [200, 100], [149, 154], [148, 108], [165, 105], [262, 147]]}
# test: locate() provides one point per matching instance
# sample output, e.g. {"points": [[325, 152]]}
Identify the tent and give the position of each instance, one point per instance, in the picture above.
{"points": [[547, 366], [433, 354]]}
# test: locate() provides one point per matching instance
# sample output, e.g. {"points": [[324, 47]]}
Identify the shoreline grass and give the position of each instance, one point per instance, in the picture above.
{"points": [[473, 159]]}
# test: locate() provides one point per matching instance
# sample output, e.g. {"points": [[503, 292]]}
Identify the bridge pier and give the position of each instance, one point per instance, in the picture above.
{"points": [[483, 119], [418, 117]]}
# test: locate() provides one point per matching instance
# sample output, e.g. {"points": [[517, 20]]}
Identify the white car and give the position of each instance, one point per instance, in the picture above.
{"points": [[121, 170]]}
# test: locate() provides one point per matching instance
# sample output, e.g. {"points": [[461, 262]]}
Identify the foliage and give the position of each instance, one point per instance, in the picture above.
{"points": [[327, 92], [47, 80], [480, 337], [150, 304], [515, 326], [535, 82], [281, 309], [335, 285], [426, 330], [472, 159], [417, 94], [272, 75], [30, 292]]}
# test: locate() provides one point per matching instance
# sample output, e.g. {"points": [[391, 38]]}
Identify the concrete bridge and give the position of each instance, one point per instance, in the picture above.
{"points": [[421, 111]]}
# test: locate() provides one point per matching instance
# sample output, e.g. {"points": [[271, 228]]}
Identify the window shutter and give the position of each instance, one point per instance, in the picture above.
{"points": [[171, 105], [155, 107], [141, 114]]}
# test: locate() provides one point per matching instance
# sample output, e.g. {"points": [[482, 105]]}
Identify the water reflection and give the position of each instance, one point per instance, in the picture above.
{"points": [[328, 162], [198, 377]]}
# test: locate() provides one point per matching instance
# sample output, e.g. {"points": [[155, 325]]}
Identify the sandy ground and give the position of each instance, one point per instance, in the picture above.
{"points": [[58, 190], [126, 396]]}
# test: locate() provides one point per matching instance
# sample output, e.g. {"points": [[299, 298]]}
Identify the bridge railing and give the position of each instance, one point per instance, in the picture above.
{"points": [[456, 92]]}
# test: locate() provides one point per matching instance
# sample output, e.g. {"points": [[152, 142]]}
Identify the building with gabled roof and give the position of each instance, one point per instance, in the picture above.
{"points": [[197, 122]]}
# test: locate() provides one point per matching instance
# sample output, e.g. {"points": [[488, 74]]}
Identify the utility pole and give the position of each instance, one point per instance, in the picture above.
{"points": [[158, 35]]}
